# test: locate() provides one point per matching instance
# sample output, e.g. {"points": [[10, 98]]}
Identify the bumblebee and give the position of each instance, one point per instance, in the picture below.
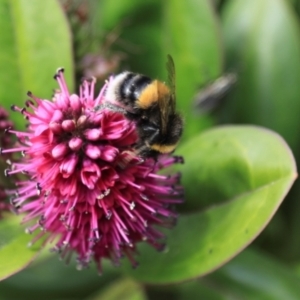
{"points": [[151, 104]]}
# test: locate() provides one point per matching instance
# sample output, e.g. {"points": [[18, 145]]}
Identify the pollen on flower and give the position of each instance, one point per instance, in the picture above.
{"points": [[81, 192]]}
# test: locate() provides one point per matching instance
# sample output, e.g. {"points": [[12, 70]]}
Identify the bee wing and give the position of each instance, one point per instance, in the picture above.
{"points": [[171, 82], [165, 110], [167, 103]]}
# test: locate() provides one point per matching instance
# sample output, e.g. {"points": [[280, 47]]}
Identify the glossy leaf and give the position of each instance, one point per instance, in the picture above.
{"points": [[253, 275], [124, 289], [197, 290], [263, 44], [35, 41], [14, 251], [191, 290], [54, 279], [243, 173], [224, 163]]}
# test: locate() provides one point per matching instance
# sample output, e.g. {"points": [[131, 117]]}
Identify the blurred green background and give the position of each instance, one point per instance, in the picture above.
{"points": [[237, 62]]}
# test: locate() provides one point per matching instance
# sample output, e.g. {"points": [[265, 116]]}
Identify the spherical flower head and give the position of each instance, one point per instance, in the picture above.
{"points": [[83, 192]]}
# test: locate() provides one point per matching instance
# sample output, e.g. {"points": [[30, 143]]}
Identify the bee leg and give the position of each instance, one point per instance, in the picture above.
{"points": [[145, 148], [141, 151], [110, 106], [135, 156], [129, 157]]}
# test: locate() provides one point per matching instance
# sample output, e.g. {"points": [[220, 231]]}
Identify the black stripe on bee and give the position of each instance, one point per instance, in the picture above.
{"points": [[132, 86], [123, 89]]}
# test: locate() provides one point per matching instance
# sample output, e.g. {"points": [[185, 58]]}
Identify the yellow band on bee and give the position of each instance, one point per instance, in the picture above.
{"points": [[151, 94], [165, 149]]}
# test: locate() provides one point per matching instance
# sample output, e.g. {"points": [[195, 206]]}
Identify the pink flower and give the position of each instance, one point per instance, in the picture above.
{"points": [[5, 141], [79, 192]]}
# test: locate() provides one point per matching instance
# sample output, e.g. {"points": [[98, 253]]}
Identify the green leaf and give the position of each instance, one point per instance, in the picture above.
{"points": [[52, 279], [35, 41], [263, 44], [139, 26], [253, 275], [244, 173], [190, 290], [192, 37], [197, 290], [14, 251], [108, 14], [224, 163], [124, 289]]}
